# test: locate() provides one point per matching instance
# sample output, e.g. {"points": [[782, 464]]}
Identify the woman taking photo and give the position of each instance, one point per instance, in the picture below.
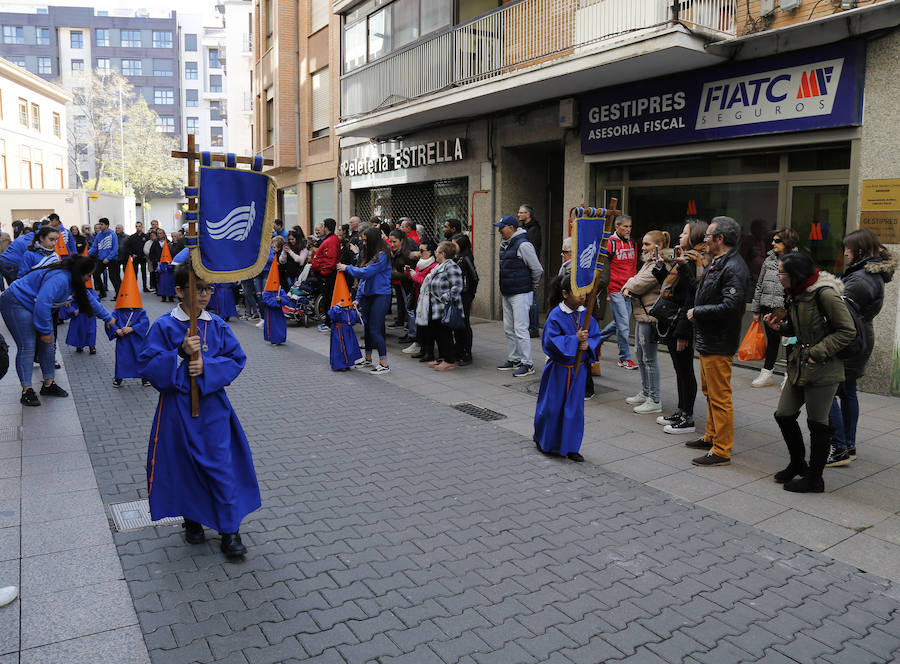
{"points": [[444, 291], [27, 307], [769, 295], [819, 320], [374, 294], [292, 258]]}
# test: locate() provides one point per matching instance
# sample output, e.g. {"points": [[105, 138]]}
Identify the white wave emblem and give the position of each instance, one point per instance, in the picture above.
{"points": [[105, 243], [588, 258], [235, 226]]}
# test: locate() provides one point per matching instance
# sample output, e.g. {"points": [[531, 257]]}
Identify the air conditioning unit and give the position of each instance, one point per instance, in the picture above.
{"points": [[789, 4], [766, 7]]}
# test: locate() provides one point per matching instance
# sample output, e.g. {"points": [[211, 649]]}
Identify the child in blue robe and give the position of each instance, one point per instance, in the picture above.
{"points": [[83, 328], [165, 285], [275, 325], [129, 330], [199, 468], [344, 344], [221, 302], [559, 414]]}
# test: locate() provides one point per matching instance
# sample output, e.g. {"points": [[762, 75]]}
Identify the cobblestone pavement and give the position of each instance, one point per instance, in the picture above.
{"points": [[395, 529]]}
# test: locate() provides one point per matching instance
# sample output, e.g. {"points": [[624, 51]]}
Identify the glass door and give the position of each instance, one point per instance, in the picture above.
{"points": [[819, 213]]}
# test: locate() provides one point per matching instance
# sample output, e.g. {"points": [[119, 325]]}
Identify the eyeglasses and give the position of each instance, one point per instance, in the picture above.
{"points": [[204, 290], [777, 240]]}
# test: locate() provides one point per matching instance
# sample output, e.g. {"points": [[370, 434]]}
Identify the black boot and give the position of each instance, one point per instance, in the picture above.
{"points": [[193, 532], [819, 444], [793, 438], [232, 546]]}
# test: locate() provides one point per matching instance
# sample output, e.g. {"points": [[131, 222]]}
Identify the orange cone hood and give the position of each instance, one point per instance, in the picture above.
{"points": [[90, 282], [166, 255], [60, 248], [273, 283], [341, 296], [129, 296]]}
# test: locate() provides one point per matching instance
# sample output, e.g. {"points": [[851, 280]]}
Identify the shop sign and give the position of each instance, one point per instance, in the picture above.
{"points": [[410, 156], [880, 195], [813, 89], [886, 225]]}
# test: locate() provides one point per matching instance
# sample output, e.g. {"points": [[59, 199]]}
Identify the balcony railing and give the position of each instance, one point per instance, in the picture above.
{"points": [[512, 38]]}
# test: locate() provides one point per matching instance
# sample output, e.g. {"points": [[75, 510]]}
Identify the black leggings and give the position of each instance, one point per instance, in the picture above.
{"points": [[463, 337], [773, 340], [683, 361]]}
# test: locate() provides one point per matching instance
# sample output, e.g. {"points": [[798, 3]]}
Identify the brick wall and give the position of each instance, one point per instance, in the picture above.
{"points": [[748, 19]]}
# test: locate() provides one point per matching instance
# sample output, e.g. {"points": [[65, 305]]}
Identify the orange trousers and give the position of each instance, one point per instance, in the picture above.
{"points": [[715, 381]]}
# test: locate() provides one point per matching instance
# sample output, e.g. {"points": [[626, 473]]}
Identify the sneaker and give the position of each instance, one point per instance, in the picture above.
{"points": [[412, 349], [763, 379], [8, 594], [379, 369], [363, 363], [261, 323], [243, 317], [684, 424], [323, 328], [699, 444], [523, 370], [53, 390], [588, 397], [627, 364], [711, 459], [668, 419], [837, 457], [637, 399], [649, 406], [117, 382], [851, 450], [509, 365], [145, 382], [92, 350], [464, 362], [29, 398]]}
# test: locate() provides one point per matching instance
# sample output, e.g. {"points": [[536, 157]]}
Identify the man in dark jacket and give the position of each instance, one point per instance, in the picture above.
{"points": [[533, 233], [135, 244], [717, 312]]}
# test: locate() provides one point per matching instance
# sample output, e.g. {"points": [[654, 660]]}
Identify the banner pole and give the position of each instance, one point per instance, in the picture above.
{"points": [[192, 284]]}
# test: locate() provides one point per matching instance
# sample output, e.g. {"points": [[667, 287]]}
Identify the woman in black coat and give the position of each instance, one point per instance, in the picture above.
{"points": [[869, 267], [466, 261]]}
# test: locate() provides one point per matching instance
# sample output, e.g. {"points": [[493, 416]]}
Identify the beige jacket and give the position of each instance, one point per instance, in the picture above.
{"points": [[644, 289]]}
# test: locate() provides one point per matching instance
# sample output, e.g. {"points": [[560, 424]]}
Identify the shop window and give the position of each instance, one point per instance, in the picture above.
{"points": [[706, 167], [826, 159], [817, 214], [427, 203]]}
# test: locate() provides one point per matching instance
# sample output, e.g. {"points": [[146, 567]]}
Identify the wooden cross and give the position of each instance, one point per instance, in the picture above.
{"points": [[192, 156]]}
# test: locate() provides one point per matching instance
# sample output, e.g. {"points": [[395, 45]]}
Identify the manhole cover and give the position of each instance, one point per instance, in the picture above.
{"points": [[532, 387], [477, 411], [136, 515], [9, 434]]}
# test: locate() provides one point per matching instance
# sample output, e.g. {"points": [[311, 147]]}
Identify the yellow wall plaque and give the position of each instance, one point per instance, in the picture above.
{"points": [[886, 225], [881, 194]]}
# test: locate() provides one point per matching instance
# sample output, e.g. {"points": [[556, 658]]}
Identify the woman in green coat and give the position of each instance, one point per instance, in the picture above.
{"points": [[822, 325]]}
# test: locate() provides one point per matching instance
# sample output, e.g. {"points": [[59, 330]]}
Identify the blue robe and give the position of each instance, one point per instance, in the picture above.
{"points": [[222, 301], [83, 328], [197, 467], [559, 414], [129, 346], [165, 286], [344, 344], [275, 327]]}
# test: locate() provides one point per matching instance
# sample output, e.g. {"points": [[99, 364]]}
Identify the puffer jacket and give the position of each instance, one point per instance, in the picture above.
{"points": [[719, 305], [821, 333], [769, 292], [645, 287], [864, 283]]}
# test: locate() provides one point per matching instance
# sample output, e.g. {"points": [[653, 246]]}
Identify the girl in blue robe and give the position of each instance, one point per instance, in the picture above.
{"points": [[344, 344], [222, 301], [197, 467], [83, 328], [559, 414], [165, 286], [129, 331], [275, 325]]}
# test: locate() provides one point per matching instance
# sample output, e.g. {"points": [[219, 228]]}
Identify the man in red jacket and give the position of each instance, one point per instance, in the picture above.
{"points": [[325, 260], [622, 266]]}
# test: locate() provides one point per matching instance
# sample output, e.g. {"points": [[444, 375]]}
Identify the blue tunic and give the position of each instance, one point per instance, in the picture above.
{"points": [[559, 414], [344, 344], [222, 301], [83, 328], [34, 259], [165, 286], [197, 467], [129, 346], [275, 327]]}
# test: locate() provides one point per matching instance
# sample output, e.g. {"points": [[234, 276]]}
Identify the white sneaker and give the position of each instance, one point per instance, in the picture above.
{"points": [[413, 348], [261, 323], [763, 379], [8, 594], [649, 406], [637, 399]]}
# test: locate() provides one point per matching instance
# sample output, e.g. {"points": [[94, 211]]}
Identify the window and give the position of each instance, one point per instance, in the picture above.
{"points": [[215, 83], [193, 125], [44, 66], [131, 67], [321, 199], [57, 126], [379, 33], [215, 110], [405, 14], [321, 103], [37, 169], [320, 13], [76, 39], [42, 36], [216, 136], [81, 148], [163, 95], [3, 177], [25, 167], [80, 124], [355, 46], [165, 124], [85, 176], [191, 98], [101, 37], [77, 65], [103, 65], [35, 117], [23, 113], [190, 71], [58, 167], [214, 59], [163, 68], [13, 34], [18, 62], [190, 43], [162, 39], [270, 117], [435, 15], [270, 23], [131, 38]]}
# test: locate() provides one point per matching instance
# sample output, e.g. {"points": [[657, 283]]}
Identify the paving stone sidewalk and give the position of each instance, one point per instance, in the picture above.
{"points": [[396, 529]]}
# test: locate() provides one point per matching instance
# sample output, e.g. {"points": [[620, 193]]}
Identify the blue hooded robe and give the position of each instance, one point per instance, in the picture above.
{"points": [[275, 327], [165, 286], [221, 302], [128, 347], [83, 328], [559, 414], [197, 467], [344, 344]]}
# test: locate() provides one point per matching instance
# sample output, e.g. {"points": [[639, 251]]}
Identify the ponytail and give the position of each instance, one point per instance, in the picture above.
{"points": [[660, 237]]}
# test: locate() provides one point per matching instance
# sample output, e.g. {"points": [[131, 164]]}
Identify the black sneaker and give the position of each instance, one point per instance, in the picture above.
{"points": [[145, 382], [93, 351], [838, 457], [53, 390], [117, 382], [193, 532], [79, 350], [668, 419], [711, 459], [699, 444], [851, 450], [682, 425], [29, 398]]}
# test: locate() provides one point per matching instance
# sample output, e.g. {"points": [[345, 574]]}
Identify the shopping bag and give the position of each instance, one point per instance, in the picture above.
{"points": [[753, 347]]}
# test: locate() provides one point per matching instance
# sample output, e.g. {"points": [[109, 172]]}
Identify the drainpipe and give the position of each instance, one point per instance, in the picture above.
{"points": [[494, 275]]}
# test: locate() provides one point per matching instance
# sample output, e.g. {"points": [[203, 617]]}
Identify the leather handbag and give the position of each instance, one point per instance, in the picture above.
{"points": [[453, 317]]}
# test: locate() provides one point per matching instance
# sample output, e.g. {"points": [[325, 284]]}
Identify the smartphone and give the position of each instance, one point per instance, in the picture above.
{"points": [[677, 252]]}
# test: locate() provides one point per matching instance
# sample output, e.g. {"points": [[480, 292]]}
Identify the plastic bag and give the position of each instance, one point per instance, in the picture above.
{"points": [[753, 347]]}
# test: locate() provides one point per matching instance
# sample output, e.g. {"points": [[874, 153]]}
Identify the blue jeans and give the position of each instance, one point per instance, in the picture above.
{"points": [[843, 417], [621, 310], [8, 271], [250, 304], [645, 349], [515, 327], [374, 309], [20, 322], [533, 325]]}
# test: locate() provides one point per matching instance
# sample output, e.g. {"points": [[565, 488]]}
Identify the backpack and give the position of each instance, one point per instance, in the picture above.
{"points": [[857, 347]]}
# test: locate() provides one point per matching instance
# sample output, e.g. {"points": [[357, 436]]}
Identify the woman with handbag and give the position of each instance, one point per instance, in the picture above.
{"points": [[676, 296], [445, 303]]}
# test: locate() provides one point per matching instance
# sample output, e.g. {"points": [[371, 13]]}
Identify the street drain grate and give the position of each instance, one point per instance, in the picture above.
{"points": [[532, 387], [9, 434], [136, 515], [477, 411]]}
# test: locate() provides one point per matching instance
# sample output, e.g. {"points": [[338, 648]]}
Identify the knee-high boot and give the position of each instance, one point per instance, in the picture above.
{"points": [[793, 438], [819, 442]]}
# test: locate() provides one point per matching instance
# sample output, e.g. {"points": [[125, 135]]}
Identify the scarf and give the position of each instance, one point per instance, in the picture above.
{"points": [[698, 256], [813, 278], [423, 263]]}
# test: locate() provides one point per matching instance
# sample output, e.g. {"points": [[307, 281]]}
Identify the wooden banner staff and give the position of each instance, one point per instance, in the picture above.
{"points": [[608, 225]]}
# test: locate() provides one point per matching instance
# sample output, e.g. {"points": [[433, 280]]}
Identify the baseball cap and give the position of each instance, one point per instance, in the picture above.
{"points": [[507, 221]]}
